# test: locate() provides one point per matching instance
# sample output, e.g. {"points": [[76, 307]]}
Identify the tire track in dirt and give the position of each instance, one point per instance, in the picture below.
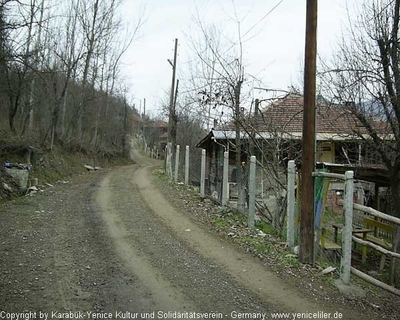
{"points": [[245, 269], [175, 274], [158, 293]]}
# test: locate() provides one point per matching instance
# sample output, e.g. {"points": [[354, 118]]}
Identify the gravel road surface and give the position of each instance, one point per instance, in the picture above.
{"points": [[109, 245]]}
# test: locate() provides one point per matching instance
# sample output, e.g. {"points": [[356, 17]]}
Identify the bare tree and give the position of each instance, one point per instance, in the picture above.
{"points": [[114, 46], [220, 84], [365, 77], [67, 52], [35, 60], [19, 68], [60, 62]]}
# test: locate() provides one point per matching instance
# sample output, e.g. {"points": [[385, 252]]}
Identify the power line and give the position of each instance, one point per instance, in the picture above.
{"points": [[266, 15]]}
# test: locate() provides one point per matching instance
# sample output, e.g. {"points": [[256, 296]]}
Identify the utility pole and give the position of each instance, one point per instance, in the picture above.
{"points": [[174, 121], [175, 97], [306, 254], [172, 116]]}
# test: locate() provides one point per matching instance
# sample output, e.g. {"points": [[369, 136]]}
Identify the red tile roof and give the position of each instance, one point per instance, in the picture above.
{"points": [[286, 115]]}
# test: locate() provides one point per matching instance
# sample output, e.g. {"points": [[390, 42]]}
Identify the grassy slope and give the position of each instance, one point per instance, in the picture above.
{"points": [[50, 166]]}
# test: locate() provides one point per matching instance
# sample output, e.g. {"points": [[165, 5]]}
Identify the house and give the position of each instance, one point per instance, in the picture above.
{"points": [[338, 131], [275, 136], [156, 133]]}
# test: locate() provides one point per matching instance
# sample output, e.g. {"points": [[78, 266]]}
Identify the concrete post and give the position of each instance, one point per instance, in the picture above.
{"points": [[187, 166], [203, 172], [145, 147], [224, 196], [290, 203], [345, 264], [252, 192], [166, 159], [157, 153], [177, 163], [169, 160]]}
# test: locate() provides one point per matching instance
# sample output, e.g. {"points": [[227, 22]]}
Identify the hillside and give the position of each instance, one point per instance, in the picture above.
{"points": [[48, 166]]}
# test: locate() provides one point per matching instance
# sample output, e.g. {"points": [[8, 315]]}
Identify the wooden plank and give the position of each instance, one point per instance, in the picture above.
{"points": [[329, 245], [376, 247], [379, 224], [329, 175], [375, 213], [378, 241], [374, 281]]}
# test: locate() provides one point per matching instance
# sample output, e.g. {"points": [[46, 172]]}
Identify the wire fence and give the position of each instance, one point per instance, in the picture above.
{"points": [[227, 183], [250, 190], [184, 165]]}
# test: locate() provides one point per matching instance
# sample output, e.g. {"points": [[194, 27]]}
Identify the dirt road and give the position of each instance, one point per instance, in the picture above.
{"points": [[108, 245]]}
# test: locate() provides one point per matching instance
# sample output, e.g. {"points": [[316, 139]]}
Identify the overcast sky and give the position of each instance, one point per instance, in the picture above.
{"points": [[274, 54]]}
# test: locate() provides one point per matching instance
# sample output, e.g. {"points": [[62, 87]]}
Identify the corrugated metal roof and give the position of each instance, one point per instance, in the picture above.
{"points": [[228, 134]]}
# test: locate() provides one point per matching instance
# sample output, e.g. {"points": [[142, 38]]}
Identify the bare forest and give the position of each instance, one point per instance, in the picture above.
{"points": [[60, 73]]}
